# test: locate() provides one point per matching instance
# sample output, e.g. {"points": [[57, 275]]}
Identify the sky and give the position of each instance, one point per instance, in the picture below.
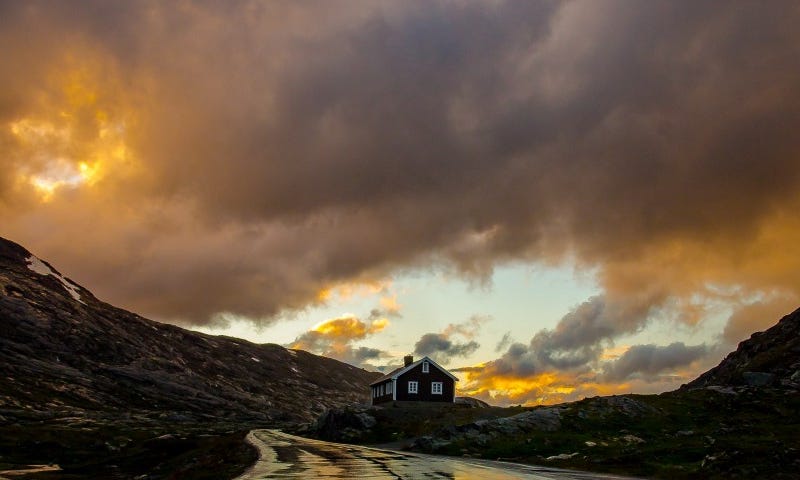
{"points": [[553, 199]]}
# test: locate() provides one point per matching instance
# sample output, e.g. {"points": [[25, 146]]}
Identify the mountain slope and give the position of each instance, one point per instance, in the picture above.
{"points": [[771, 357], [65, 353]]}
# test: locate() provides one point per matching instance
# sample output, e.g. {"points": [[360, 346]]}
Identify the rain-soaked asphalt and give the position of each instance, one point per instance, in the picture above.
{"points": [[287, 456]]}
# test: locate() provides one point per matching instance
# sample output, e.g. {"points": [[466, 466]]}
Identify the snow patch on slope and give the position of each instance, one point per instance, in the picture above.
{"points": [[41, 268]]}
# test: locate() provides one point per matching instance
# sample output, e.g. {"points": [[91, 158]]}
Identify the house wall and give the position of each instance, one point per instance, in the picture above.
{"points": [[424, 387], [386, 397]]}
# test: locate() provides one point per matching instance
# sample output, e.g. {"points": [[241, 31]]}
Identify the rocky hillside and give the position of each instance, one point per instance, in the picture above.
{"points": [[64, 353], [769, 358]]}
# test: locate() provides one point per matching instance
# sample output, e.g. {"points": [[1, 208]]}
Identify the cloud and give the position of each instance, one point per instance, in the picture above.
{"points": [[504, 342], [335, 337], [238, 161], [390, 306], [756, 317], [442, 348], [569, 361], [648, 361], [579, 338]]}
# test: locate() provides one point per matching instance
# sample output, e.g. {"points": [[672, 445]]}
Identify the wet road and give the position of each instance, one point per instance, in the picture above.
{"points": [[287, 456]]}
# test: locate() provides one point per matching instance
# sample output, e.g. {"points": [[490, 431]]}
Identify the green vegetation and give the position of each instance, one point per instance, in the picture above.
{"points": [[688, 434]]}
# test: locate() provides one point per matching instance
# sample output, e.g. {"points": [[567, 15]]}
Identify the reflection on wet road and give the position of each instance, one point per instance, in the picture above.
{"points": [[287, 456]]}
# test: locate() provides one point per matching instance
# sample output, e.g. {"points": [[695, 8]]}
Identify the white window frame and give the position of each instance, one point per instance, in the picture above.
{"points": [[413, 386], [437, 386], [426, 366]]}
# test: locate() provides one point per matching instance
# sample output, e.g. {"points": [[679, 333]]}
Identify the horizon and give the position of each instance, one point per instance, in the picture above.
{"points": [[554, 199]]}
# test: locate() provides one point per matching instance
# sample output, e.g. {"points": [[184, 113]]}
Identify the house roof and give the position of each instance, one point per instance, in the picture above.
{"points": [[394, 374]]}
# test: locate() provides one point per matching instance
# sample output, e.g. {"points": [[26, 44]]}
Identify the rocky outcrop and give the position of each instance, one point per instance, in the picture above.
{"points": [[767, 359], [541, 419], [65, 353], [345, 424], [470, 402], [547, 419]]}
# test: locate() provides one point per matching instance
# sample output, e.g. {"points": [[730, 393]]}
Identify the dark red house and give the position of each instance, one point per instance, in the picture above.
{"points": [[420, 381]]}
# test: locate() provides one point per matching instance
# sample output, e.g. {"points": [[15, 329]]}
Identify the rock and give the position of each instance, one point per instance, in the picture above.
{"points": [[684, 433], [563, 456], [367, 421], [429, 444], [347, 423], [616, 404], [471, 402], [590, 443], [547, 419], [758, 379], [633, 439]]}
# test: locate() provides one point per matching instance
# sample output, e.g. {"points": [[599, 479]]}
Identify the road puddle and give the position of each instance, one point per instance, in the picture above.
{"points": [[283, 456]]}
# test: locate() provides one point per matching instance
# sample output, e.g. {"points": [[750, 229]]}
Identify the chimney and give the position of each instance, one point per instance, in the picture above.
{"points": [[408, 360]]}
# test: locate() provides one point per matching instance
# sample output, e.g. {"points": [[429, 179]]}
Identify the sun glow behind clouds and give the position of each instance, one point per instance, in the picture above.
{"points": [[72, 140]]}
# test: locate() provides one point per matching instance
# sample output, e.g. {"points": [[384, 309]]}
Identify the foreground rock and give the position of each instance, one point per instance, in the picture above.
{"points": [[398, 421], [542, 419]]}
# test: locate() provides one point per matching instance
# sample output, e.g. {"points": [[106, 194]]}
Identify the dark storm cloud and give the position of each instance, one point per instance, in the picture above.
{"points": [[650, 360], [577, 341], [441, 348], [504, 342], [279, 148]]}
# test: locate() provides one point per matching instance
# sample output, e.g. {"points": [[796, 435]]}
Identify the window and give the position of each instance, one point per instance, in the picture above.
{"points": [[388, 388], [426, 367], [381, 391], [413, 387], [374, 392], [436, 388]]}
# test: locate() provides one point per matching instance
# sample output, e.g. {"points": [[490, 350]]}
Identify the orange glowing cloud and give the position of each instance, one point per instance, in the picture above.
{"points": [[76, 134], [336, 337], [349, 327], [544, 388]]}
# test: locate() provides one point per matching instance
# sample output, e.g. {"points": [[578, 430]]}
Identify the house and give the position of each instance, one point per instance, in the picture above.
{"points": [[420, 381]]}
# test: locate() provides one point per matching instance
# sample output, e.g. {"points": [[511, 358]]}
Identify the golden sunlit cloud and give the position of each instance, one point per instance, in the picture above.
{"points": [[72, 139], [349, 326], [544, 388], [335, 338], [364, 288]]}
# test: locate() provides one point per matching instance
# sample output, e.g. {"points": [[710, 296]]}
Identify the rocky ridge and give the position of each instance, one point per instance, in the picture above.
{"points": [[66, 354], [769, 358]]}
